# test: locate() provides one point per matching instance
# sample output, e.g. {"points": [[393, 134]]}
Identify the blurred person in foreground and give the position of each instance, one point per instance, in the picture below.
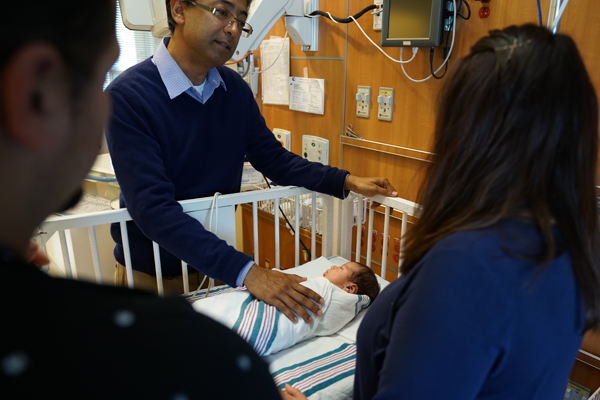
{"points": [[70, 339]]}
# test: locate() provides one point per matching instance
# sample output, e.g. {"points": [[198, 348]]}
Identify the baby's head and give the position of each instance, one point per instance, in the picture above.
{"points": [[354, 278]]}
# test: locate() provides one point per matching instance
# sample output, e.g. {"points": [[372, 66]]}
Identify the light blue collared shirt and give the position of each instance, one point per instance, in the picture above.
{"points": [[177, 83]]}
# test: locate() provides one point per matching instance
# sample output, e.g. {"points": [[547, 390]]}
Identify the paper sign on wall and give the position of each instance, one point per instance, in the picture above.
{"points": [[307, 95], [275, 62]]}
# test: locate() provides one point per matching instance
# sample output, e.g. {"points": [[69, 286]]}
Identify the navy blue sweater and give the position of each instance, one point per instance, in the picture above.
{"points": [[167, 150], [474, 320]]}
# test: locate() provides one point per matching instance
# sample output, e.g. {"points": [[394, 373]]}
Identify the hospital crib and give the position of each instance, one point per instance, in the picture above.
{"points": [[332, 218], [323, 366]]}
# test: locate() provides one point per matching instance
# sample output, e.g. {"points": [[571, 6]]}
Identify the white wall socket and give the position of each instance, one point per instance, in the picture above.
{"points": [[363, 101], [385, 102]]}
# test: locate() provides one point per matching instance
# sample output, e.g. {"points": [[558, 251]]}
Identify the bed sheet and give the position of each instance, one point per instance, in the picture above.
{"points": [[322, 368]]}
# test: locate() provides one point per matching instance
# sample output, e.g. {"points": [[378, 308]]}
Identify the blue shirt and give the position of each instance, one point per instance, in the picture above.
{"points": [[476, 318], [177, 82]]}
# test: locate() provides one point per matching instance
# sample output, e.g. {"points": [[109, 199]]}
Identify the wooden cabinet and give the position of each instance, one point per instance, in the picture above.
{"points": [[586, 370]]}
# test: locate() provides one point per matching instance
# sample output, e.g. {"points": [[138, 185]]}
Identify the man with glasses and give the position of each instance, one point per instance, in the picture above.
{"points": [[181, 126]]}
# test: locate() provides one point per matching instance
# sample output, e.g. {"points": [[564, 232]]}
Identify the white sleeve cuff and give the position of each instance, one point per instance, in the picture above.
{"points": [[242, 275]]}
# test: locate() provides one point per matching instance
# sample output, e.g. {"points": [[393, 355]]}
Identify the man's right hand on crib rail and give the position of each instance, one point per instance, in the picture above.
{"points": [[283, 291]]}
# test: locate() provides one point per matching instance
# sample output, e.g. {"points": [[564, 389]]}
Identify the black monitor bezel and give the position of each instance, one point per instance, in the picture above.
{"points": [[435, 28]]}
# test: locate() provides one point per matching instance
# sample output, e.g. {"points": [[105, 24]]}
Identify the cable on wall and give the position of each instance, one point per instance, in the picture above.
{"points": [[346, 20], [445, 60]]}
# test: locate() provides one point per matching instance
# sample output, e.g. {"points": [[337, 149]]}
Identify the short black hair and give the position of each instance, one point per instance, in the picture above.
{"points": [[79, 32], [171, 21], [366, 280]]}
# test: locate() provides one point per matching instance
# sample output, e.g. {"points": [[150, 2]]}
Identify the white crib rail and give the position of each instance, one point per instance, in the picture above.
{"points": [[332, 235], [62, 224], [403, 206]]}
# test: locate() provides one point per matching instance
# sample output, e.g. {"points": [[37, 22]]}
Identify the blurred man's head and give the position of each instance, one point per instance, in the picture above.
{"points": [[52, 105]]}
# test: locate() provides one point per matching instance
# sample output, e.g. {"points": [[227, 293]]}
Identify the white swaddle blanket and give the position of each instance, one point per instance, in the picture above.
{"points": [[268, 330]]}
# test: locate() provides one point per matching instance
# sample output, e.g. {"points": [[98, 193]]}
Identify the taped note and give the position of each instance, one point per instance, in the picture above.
{"points": [[307, 95]]}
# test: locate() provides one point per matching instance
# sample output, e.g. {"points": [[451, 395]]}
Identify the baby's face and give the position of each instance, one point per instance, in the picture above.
{"points": [[340, 276]]}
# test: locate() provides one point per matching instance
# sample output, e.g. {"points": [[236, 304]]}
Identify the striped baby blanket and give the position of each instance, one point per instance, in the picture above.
{"points": [[266, 329]]}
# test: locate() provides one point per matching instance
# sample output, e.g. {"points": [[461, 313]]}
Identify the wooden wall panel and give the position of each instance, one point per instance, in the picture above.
{"points": [[407, 173], [415, 103], [586, 370]]}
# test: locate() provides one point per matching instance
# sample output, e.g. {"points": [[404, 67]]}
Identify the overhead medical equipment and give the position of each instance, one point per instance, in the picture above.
{"points": [[151, 15], [145, 15]]}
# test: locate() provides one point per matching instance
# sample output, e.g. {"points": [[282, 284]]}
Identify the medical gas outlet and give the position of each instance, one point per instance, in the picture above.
{"points": [[315, 149], [284, 137], [363, 101], [377, 15], [385, 102]]}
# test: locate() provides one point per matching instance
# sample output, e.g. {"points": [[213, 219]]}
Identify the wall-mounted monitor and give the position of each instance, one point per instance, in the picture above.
{"points": [[412, 23]]}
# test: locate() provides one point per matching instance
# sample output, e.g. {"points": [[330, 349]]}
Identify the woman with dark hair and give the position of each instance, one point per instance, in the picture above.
{"points": [[500, 274]]}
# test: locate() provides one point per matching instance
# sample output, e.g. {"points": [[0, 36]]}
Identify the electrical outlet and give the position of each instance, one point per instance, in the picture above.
{"points": [[385, 102], [377, 18], [363, 101]]}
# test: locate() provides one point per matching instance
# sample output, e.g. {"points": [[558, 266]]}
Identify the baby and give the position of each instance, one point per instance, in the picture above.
{"points": [[354, 278], [346, 290]]}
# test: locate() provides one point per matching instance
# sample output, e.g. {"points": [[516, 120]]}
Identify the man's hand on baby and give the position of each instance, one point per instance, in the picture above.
{"points": [[283, 291]]}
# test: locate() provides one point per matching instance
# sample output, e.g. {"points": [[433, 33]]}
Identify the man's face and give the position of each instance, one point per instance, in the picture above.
{"points": [[89, 114], [340, 276], [210, 40]]}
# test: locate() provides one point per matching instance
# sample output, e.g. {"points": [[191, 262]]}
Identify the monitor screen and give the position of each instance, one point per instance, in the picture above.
{"points": [[412, 23]]}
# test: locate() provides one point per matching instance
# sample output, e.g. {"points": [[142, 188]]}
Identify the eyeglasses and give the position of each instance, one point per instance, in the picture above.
{"points": [[224, 16]]}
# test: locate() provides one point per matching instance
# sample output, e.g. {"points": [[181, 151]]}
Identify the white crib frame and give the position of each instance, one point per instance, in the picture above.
{"points": [[337, 224]]}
